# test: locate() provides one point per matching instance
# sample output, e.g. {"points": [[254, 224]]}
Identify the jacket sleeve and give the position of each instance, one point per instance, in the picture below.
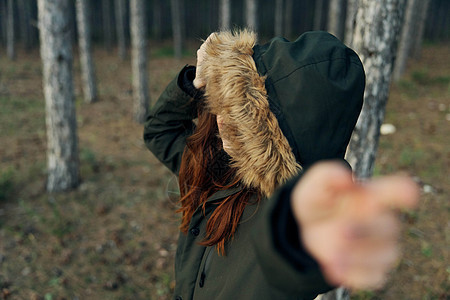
{"points": [[169, 122], [284, 261]]}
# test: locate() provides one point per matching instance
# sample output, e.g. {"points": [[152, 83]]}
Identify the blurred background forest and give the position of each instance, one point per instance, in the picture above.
{"points": [[112, 234]]}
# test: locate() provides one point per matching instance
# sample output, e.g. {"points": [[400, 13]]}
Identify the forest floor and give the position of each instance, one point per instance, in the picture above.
{"points": [[115, 236]]}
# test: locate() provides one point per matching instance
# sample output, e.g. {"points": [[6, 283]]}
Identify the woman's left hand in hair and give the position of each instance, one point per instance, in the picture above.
{"points": [[351, 229]]}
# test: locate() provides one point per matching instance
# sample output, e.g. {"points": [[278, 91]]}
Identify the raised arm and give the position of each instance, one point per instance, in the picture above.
{"points": [[169, 122]]}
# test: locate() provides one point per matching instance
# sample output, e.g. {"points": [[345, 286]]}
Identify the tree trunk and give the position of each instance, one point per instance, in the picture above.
{"points": [[289, 11], [107, 24], [176, 28], [409, 30], [224, 15], [84, 42], [335, 18], [56, 54], [24, 22], [250, 14], [350, 20], [119, 8], [318, 15], [418, 37], [278, 18], [378, 24], [11, 51], [139, 60], [157, 19]]}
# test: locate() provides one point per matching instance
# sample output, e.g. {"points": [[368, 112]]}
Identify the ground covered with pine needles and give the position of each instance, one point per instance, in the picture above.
{"points": [[115, 236]]}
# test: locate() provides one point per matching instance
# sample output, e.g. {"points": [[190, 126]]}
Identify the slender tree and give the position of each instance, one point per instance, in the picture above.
{"points": [[336, 18], [56, 54], [377, 28], [407, 37], [10, 38], [24, 22], [107, 24], [350, 20], [139, 59], [3, 20], [318, 8], [84, 42], [250, 14], [418, 37], [119, 8], [289, 11], [157, 19], [278, 18], [224, 15], [176, 28]]}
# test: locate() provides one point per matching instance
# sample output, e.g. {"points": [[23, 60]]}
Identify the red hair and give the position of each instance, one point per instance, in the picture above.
{"points": [[204, 170]]}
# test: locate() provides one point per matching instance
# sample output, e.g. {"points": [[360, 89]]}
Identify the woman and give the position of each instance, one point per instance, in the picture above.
{"points": [[269, 208]]}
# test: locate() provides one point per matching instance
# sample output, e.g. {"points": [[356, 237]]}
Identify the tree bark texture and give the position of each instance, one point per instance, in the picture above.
{"points": [[139, 60], [224, 15], [378, 24], [350, 20], [250, 14], [176, 28], [119, 7], [56, 54], [318, 8], [336, 18], [107, 24], [418, 38], [84, 43], [11, 51], [409, 30], [278, 18]]}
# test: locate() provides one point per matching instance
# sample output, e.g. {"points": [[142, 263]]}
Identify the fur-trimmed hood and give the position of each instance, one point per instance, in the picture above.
{"points": [[285, 105]]}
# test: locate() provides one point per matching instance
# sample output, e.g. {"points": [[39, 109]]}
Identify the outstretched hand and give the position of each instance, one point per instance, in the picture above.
{"points": [[351, 229]]}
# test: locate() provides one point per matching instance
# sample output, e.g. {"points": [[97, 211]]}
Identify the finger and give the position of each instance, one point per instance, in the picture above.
{"points": [[395, 192]]}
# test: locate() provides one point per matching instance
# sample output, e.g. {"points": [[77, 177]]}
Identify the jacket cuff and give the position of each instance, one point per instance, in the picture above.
{"points": [[185, 82], [286, 231]]}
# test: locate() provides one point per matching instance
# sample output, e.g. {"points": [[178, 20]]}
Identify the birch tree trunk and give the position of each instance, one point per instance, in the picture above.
{"points": [[377, 28], [10, 35], [350, 20], [418, 37], [278, 18], [250, 14], [119, 7], [335, 18], [139, 60], [56, 54], [318, 8], [224, 15], [176, 28], [84, 42], [407, 38], [107, 24]]}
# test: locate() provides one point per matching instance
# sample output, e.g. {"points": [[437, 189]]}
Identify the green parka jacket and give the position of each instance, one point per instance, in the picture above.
{"points": [[310, 93]]}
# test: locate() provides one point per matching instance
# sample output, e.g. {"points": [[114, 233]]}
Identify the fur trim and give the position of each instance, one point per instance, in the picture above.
{"points": [[235, 90]]}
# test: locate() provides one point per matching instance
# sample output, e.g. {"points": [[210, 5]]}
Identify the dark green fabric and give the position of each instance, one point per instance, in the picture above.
{"points": [[315, 86], [168, 124]]}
